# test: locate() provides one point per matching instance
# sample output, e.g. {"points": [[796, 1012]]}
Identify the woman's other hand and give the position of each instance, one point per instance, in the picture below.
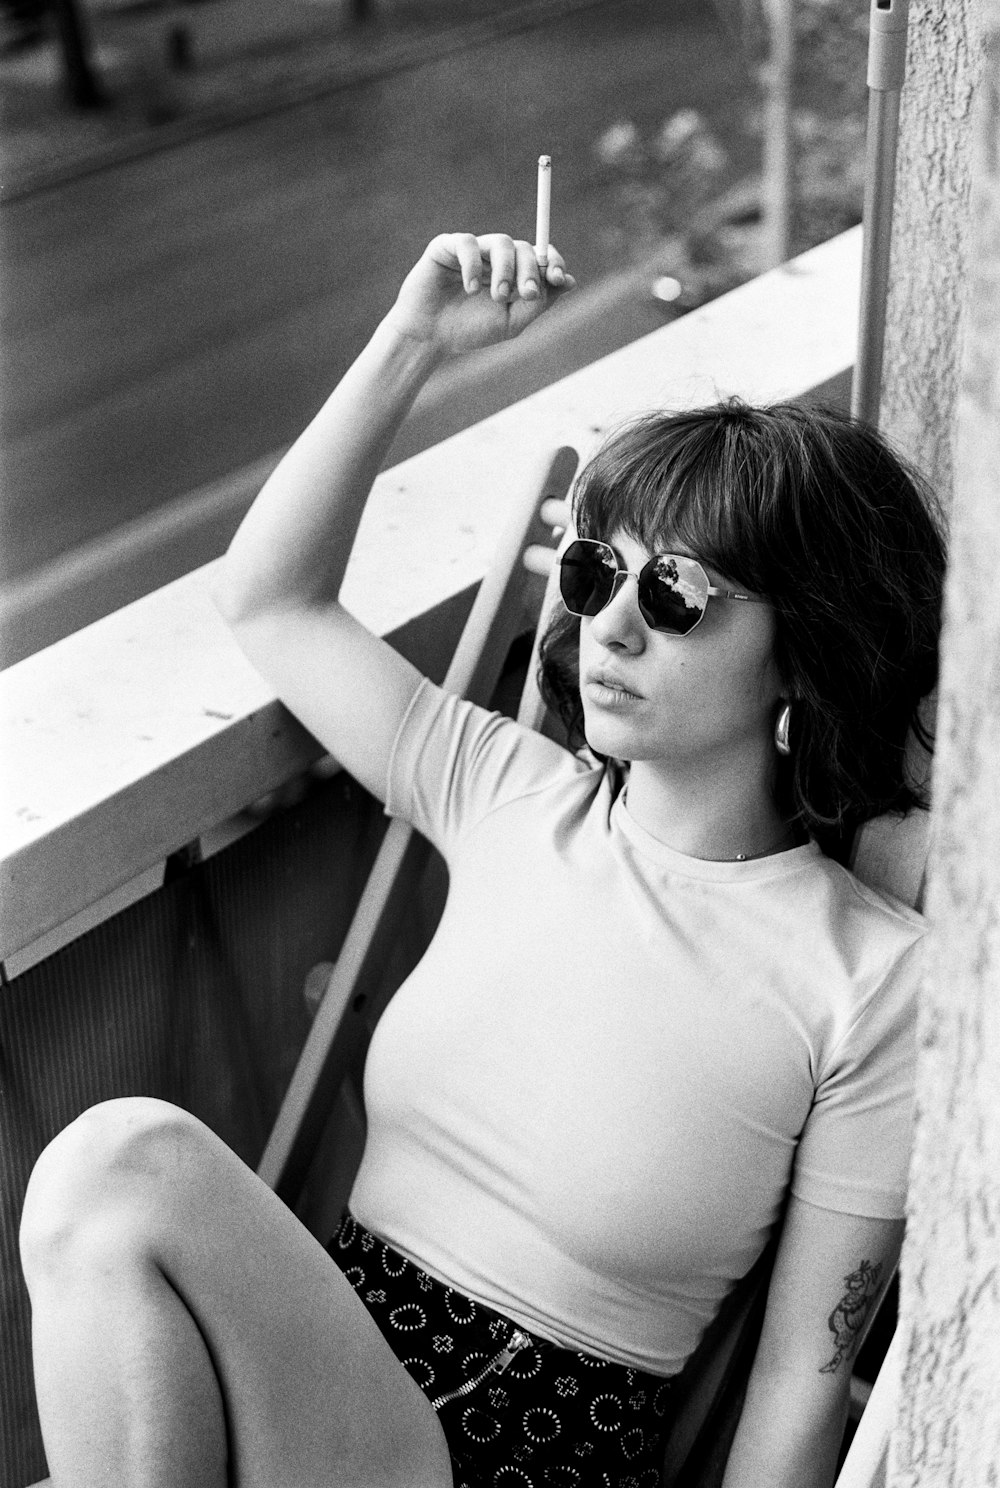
{"points": [[466, 292]]}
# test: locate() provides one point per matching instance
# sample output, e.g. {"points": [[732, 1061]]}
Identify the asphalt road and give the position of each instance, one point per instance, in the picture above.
{"points": [[173, 319]]}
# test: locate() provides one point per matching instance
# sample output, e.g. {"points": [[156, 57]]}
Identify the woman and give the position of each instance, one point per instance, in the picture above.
{"points": [[656, 1021]]}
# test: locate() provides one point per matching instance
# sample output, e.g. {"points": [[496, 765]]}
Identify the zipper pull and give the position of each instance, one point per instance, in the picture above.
{"points": [[517, 1341]]}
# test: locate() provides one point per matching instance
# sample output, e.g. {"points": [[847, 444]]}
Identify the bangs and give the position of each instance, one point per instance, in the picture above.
{"points": [[682, 480]]}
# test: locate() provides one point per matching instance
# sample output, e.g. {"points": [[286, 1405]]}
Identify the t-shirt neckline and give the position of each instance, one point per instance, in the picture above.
{"points": [[714, 870]]}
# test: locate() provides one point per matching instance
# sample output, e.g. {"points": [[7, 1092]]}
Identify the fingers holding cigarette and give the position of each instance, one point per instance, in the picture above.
{"points": [[511, 269], [532, 276], [468, 291], [518, 263], [555, 271], [510, 266]]}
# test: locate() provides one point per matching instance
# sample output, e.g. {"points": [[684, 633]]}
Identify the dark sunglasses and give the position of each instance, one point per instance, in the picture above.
{"points": [[673, 590]]}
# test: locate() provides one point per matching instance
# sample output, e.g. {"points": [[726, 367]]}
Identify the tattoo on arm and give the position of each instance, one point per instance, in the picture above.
{"points": [[848, 1318]]}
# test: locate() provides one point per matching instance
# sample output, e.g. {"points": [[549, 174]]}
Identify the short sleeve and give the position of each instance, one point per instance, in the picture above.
{"points": [[854, 1152], [453, 763]]}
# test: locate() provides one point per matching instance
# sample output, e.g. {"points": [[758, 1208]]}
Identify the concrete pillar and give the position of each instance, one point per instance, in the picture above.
{"points": [[929, 238], [948, 1429]]}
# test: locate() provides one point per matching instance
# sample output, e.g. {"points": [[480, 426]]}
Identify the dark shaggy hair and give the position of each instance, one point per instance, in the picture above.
{"points": [[813, 510]]}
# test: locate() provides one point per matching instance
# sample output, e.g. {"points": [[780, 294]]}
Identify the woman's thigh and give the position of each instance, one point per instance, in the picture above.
{"points": [[311, 1392]]}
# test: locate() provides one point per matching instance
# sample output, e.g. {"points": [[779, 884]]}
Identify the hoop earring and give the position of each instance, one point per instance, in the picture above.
{"points": [[781, 743]]}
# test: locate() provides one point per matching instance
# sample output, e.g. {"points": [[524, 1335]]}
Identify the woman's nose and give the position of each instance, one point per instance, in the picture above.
{"points": [[620, 622]]}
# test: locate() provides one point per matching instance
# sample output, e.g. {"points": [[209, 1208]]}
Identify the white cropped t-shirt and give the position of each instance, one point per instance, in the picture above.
{"points": [[588, 1101]]}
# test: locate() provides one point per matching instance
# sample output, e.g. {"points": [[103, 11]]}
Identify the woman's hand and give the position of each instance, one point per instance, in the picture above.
{"points": [[467, 292]]}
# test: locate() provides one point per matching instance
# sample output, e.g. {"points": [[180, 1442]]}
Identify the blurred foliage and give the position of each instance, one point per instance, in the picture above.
{"points": [[682, 205]]}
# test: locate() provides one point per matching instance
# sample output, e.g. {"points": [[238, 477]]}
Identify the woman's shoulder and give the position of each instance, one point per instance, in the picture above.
{"points": [[879, 938], [454, 763], [866, 967], [880, 905], [441, 719]]}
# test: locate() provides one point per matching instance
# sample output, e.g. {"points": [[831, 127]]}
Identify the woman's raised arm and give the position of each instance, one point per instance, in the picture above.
{"points": [[278, 586]]}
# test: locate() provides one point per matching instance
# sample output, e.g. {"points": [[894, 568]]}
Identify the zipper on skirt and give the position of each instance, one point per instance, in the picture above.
{"points": [[517, 1341]]}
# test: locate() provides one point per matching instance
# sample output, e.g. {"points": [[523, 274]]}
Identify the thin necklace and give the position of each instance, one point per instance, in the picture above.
{"points": [[786, 836]]}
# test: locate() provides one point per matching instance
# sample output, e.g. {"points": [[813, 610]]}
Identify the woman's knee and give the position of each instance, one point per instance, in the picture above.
{"points": [[101, 1171]]}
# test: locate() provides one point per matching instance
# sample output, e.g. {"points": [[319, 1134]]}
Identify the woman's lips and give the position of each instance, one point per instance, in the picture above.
{"points": [[608, 690]]}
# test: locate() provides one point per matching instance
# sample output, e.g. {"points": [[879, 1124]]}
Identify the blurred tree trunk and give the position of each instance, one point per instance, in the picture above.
{"points": [[927, 271], [948, 1431], [81, 84], [765, 29], [777, 76]]}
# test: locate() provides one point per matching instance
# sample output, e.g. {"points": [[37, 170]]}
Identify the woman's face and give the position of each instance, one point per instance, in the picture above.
{"points": [[695, 699]]}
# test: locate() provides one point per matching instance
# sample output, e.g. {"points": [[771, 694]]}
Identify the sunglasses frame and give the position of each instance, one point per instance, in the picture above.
{"points": [[712, 591]]}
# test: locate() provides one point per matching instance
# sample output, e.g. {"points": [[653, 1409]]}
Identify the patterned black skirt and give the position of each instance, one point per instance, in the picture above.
{"points": [[517, 1411]]}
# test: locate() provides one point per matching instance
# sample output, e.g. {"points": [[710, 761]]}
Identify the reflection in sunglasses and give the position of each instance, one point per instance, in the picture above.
{"points": [[693, 593]]}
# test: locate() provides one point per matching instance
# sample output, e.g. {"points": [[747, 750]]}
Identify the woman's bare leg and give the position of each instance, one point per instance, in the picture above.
{"points": [[188, 1330]]}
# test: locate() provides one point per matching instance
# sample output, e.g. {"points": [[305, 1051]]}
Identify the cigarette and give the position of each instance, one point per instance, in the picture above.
{"points": [[543, 210]]}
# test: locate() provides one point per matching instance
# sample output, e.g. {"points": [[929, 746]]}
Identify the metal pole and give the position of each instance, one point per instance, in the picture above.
{"points": [[777, 170], [886, 71]]}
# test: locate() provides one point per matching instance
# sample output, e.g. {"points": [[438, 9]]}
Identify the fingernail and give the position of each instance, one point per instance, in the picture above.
{"points": [[503, 290], [473, 286], [531, 290], [556, 275]]}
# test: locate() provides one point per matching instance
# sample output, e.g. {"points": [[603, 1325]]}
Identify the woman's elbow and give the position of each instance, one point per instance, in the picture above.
{"points": [[230, 593], [245, 592]]}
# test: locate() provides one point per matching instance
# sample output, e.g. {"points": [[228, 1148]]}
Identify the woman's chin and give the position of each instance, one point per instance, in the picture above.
{"points": [[618, 737], [611, 736]]}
